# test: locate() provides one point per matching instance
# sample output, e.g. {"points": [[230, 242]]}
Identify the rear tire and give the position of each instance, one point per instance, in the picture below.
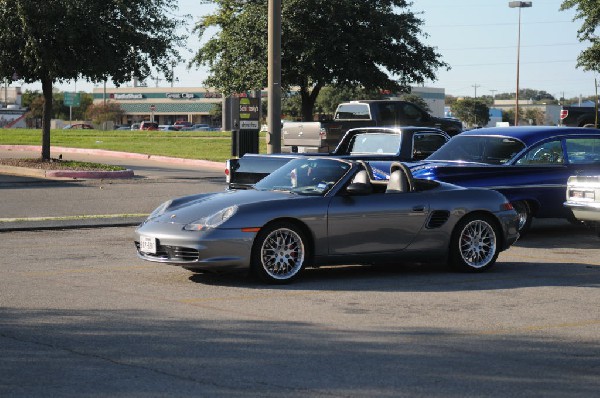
{"points": [[474, 246], [279, 254]]}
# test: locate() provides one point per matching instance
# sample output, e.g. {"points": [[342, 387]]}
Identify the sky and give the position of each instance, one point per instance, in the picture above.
{"points": [[477, 38]]}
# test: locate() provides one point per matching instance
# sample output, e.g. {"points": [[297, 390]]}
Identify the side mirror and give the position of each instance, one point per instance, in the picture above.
{"points": [[359, 189]]}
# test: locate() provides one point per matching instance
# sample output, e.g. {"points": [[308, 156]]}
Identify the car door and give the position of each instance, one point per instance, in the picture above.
{"points": [[548, 166], [375, 223]]}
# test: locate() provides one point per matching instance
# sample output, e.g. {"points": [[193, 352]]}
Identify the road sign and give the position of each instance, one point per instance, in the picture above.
{"points": [[72, 99]]}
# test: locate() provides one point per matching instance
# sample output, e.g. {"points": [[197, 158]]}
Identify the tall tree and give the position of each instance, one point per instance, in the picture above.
{"points": [[97, 40], [589, 12], [472, 111], [373, 44]]}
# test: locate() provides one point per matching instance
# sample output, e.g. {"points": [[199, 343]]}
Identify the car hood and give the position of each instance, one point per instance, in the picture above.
{"points": [[191, 208]]}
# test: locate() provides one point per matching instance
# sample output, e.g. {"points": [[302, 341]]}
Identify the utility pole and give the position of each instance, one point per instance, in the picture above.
{"points": [[274, 77], [493, 96], [475, 87], [519, 5]]}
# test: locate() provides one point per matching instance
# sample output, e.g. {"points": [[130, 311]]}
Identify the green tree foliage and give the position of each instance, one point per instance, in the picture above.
{"points": [[104, 112], [473, 112], [331, 96], [34, 100], [528, 94], [370, 44], [509, 115], [416, 99], [59, 40], [589, 12], [535, 116]]}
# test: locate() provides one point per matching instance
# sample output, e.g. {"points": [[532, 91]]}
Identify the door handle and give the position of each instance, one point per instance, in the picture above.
{"points": [[419, 208]]}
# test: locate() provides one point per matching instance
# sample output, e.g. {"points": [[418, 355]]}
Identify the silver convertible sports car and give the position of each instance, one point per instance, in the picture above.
{"points": [[322, 211]]}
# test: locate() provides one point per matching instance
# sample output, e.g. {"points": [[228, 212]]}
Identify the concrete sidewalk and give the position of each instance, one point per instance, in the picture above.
{"points": [[32, 200], [95, 152]]}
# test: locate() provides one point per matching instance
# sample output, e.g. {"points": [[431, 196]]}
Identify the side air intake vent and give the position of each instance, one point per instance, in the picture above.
{"points": [[437, 219]]}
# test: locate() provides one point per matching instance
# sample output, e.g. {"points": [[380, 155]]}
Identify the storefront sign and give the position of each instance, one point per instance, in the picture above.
{"points": [[127, 96], [180, 95]]}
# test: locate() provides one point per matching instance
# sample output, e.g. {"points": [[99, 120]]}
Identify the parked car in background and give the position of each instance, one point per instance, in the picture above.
{"points": [[145, 125], [583, 199], [135, 126], [166, 127], [578, 116], [200, 127], [182, 123], [327, 211], [324, 135], [78, 126], [529, 165], [379, 145]]}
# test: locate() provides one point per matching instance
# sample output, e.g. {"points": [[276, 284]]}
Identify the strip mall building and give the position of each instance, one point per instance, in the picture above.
{"points": [[163, 105], [194, 104]]}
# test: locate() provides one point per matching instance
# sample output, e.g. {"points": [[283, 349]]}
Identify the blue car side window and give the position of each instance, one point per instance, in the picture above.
{"points": [[548, 153], [583, 150]]}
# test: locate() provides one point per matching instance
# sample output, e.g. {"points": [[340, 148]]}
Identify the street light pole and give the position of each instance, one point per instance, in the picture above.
{"points": [[274, 77], [519, 5]]}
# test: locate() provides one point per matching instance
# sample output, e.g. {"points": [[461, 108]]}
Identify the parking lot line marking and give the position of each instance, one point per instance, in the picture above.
{"points": [[537, 328], [85, 270], [67, 218]]}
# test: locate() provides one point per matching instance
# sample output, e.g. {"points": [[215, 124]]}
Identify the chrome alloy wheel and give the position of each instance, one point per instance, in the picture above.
{"points": [[282, 254], [477, 243]]}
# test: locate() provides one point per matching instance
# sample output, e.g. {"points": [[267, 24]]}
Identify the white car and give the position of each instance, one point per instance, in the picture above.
{"points": [[583, 198]]}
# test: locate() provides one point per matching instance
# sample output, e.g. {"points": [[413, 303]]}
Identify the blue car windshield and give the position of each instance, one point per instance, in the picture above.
{"points": [[480, 149], [305, 176]]}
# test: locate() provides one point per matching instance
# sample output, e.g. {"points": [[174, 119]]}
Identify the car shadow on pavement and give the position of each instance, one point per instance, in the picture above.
{"points": [[419, 278]]}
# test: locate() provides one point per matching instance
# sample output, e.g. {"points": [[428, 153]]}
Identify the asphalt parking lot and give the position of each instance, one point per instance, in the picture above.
{"points": [[81, 315]]}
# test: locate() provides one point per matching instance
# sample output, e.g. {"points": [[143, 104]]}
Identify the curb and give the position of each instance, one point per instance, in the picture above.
{"points": [[117, 154], [41, 225], [59, 174]]}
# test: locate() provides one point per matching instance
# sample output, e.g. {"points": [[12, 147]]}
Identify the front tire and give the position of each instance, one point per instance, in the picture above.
{"points": [[474, 244], [279, 254]]}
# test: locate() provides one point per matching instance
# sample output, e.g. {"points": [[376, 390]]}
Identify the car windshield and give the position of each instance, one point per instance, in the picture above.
{"points": [[305, 176], [375, 143], [477, 148]]}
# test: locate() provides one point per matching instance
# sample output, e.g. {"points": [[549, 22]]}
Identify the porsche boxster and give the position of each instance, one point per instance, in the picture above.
{"points": [[325, 211]]}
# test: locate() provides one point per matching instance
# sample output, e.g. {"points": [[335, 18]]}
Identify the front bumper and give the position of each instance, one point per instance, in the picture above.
{"points": [[216, 249]]}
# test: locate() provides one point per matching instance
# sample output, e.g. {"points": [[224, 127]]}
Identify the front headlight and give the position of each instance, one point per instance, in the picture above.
{"points": [[212, 221], [160, 210]]}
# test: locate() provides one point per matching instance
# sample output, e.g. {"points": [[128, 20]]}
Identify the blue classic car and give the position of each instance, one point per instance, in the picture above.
{"points": [[529, 165]]}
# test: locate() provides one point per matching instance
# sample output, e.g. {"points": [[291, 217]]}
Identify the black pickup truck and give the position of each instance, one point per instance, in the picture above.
{"points": [[373, 144], [323, 136], [578, 116]]}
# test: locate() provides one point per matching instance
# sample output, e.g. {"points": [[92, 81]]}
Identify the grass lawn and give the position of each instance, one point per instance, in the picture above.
{"points": [[207, 145]]}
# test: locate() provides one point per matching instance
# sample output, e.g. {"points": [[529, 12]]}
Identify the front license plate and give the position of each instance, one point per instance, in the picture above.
{"points": [[147, 244]]}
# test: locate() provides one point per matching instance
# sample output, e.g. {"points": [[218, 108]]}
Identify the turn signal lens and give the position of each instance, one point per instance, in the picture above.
{"points": [[507, 206]]}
